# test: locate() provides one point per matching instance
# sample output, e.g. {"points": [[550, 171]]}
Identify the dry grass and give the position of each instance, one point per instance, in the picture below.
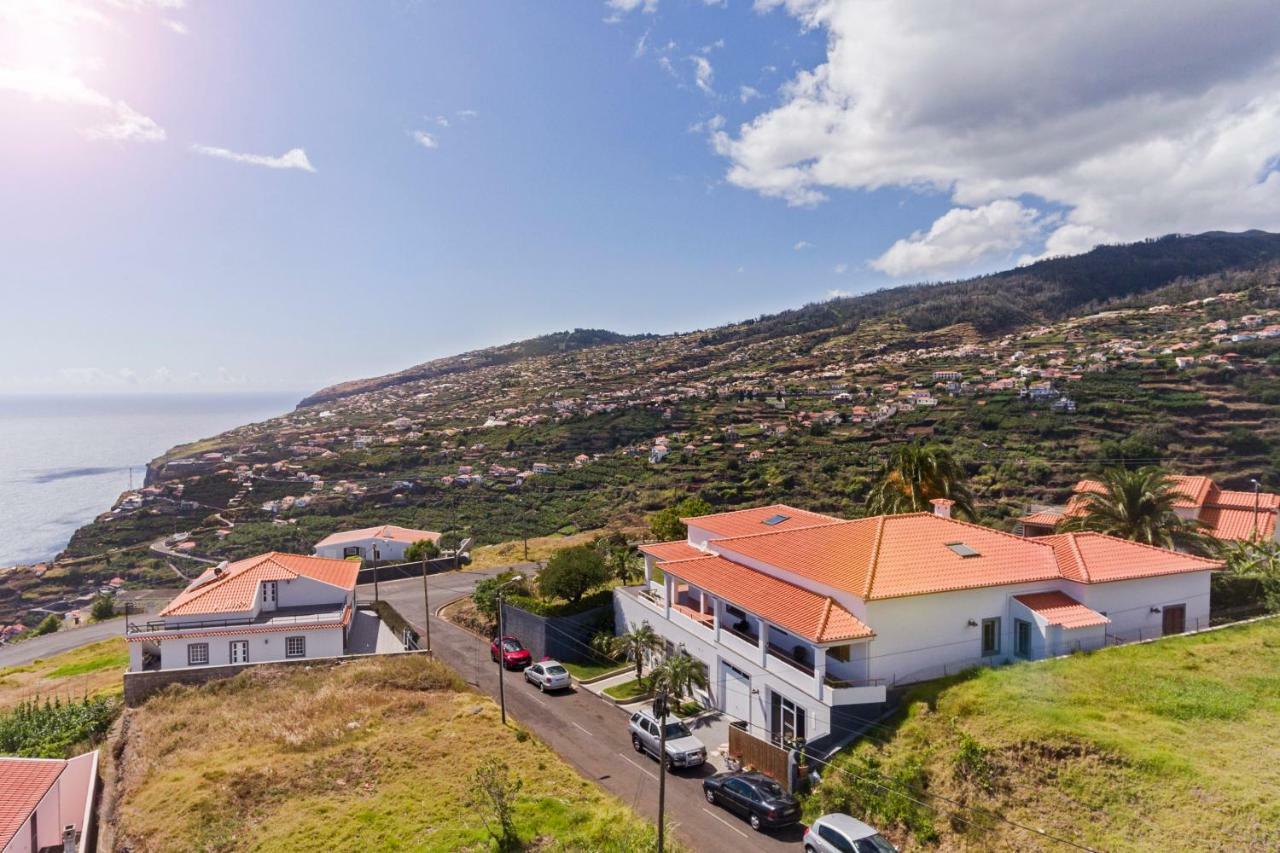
{"points": [[368, 755], [87, 671], [540, 550]]}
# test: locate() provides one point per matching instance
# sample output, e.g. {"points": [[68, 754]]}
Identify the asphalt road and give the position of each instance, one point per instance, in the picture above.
{"points": [[587, 731], [39, 648]]}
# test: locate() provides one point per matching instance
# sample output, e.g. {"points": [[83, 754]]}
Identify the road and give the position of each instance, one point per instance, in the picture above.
{"points": [[588, 732], [39, 648]]}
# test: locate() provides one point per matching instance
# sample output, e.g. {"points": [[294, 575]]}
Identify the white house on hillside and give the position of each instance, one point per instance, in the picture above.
{"points": [[391, 542], [800, 618], [266, 608]]}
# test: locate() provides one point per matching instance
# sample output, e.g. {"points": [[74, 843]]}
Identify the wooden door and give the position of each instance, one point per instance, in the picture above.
{"points": [[1175, 619]]}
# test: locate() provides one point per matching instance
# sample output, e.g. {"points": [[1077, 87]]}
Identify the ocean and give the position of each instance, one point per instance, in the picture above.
{"points": [[65, 459]]}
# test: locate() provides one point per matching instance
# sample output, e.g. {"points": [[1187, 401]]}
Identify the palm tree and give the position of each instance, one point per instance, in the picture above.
{"points": [[678, 675], [1137, 505], [633, 646], [916, 474]]}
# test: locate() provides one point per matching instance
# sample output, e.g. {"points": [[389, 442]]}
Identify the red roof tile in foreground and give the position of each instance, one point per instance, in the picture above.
{"points": [[806, 614], [235, 588], [744, 522], [669, 551], [26, 781], [1058, 608], [386, 531]]}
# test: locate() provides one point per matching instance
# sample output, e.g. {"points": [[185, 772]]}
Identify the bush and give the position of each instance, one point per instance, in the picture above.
{"points": [[423, 549], [52, 729], [104, 607], [573, 572], [860, 785], [485, 594], [50, 624]]}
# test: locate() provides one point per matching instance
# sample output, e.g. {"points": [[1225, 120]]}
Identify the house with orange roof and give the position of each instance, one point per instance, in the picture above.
{"points": [[804, 621], [47, 803], [389, 541], [271, 607]]}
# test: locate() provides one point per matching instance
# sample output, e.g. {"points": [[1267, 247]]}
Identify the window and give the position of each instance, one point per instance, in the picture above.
{"points": [[776, 519], [990, 637], [962, 549], [239, 651], [295, 647], [197, 654], [834, 839], [352, 551], [1022, 638], [787, 722]]}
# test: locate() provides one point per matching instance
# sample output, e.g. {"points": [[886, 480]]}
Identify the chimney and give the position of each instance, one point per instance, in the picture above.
{"points": [[69, 839], [942, 507]]}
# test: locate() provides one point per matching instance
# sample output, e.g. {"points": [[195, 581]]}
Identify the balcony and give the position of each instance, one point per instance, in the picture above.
{"points": [[703, 620], [307, 617], [788, 657]]}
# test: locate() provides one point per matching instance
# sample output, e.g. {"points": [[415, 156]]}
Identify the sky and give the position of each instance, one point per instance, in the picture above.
{"points": [[217, 195]]}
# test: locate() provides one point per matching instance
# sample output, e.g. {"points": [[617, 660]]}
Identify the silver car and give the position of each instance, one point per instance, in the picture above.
{"points": [[839, 833], [683, 749], [548, 675]]}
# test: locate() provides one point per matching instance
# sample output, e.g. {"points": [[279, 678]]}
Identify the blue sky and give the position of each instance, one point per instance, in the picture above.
{"points": [[575, 173]]}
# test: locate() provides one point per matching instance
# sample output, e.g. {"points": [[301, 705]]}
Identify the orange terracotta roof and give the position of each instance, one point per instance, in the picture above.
{"points": [[668, 551], [1225, 513], [26, 781], [1098, 558], [744, 522], [234, 589], [1058, 608], [1235, 523], [806, 614], [386, 531], [1045, 518]]}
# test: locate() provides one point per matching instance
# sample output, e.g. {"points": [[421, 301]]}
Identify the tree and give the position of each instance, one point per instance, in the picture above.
{"points": [[1137, 505], [423, 549], [634, 646], [1259, 561], [104, 607], [916, 474], [493, 792], [50, 624], [572, 572], [485, 594], [449, 541], [678, 675], [666, 524], [618, 555]]}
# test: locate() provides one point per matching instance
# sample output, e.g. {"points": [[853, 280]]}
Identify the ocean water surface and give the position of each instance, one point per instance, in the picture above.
{"points": [[65, 459]]}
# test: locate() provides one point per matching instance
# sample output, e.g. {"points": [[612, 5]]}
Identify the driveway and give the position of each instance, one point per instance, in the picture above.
{"points": [[66, 639], [588, 732]]}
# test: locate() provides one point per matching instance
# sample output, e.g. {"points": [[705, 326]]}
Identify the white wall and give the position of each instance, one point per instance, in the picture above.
{"points": [[388, 549], [1128, 603], [307, 592], [322, 642]]}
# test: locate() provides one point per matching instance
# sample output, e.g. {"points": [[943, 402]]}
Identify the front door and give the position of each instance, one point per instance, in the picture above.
{"points": [[239, 651], [1022, 638], [736, 700], [1175, 619], [269, 595]]}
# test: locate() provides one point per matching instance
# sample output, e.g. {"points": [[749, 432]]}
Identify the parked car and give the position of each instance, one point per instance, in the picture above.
{"points": [[548, 675], [753, 796], [514, 654], [683, 749], [839, 833]]}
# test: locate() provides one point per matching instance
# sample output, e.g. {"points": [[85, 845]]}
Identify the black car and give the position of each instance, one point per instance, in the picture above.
{"points": [[754, 796]]}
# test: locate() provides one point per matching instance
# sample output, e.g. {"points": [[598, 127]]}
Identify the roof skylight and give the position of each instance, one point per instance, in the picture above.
{"points": [[963, 550], [775, 519]]}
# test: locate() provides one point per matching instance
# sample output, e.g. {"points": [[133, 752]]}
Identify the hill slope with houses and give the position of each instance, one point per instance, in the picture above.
{"points": [[1166, 350]]}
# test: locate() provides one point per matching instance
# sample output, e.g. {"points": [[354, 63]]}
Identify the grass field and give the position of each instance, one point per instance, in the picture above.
{"points": [[1169, 745], [369, 755], [540, 550], [90, 670]]}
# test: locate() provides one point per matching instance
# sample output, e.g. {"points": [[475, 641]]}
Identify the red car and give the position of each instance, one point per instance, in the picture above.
{"points": [[514, 654]]}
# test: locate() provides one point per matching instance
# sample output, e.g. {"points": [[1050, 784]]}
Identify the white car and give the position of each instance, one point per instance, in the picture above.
{"points": [[839, 833], [548, 675]]}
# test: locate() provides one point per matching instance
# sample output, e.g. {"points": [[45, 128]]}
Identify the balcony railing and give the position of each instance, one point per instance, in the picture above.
{"points": [[274, 618], [841, 683], [706, 620], [788, 657], [753, 639]]}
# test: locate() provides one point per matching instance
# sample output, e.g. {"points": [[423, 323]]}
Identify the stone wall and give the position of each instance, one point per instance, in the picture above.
{"points": [[565, 638]]}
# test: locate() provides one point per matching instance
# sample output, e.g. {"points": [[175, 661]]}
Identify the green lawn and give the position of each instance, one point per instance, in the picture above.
{"points": [[585, 671], [627, 690], [87, 671], [1141, 748]]}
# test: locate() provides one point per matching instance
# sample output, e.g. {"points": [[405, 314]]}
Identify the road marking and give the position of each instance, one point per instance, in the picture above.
{"points": [[725, 822], [581, 726], [626, 758]]}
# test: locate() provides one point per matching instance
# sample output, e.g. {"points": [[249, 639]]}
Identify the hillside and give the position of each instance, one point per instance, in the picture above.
{"points": [[1169, 745], [369, 755]]}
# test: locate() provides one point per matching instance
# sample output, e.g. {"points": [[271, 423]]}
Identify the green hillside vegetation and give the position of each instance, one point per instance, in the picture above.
{"points": [[92, 670], [370, 755], [1168, 745]]}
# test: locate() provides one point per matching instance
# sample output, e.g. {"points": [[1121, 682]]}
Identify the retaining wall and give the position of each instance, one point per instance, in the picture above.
{"points": [[565, 638]]}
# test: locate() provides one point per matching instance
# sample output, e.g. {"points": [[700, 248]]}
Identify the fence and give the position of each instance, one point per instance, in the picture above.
{"points": [[751, 751]]}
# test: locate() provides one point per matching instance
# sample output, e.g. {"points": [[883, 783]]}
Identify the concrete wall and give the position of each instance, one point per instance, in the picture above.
{"points": [[321, 642], [1128, 603], [565, 638], [79, 788]]}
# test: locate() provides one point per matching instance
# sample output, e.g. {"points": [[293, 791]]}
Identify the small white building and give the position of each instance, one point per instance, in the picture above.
{"points": [[47, 803], [267, 608], [390, 541]]}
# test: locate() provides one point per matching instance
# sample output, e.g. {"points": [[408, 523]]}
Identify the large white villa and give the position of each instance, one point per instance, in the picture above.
{"points": [[266, 608], [804, 621]]}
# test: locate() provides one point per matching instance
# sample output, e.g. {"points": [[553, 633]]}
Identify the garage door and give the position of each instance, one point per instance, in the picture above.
{"points": [[736, 700]]}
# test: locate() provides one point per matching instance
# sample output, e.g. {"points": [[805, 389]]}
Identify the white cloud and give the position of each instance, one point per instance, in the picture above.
{"points": [[837, 293], [642, 45], [467, 114], [424, 139], [715, 45], [840, 269], [294, 158], [44, 85], [960, 238], [802, 245], [177, 26], [748, 93], [442, 121], [708, 125], [703, 74], [618, 8], [1135, 118]]}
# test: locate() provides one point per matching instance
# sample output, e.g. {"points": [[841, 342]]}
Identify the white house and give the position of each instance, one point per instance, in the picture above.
{"points": [[47, 803], [391, 542], [266, 608], [803, 621]]}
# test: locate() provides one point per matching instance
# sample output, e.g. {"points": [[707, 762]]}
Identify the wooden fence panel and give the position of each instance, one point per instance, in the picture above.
{"points": [[759, 754]]}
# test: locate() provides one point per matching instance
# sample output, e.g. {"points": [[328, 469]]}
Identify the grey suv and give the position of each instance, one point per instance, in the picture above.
{"points": [[683, 749]]}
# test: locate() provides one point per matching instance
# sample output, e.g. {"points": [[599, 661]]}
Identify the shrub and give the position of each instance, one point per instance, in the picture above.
{"points": [[51, 729], [494, 790], [104, 607], [423, 549], [573, 572], [666, 524], [50, 624], [861, 785]]}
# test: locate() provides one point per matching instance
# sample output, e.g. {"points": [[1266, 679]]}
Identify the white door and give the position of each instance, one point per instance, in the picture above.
{"points": [[736, 696], [269, 595], [239, 651]]}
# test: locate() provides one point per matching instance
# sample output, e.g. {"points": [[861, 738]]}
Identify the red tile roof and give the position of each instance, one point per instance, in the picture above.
{"points": [[386, 531], [806, 614], [1044, 518], [234, 589], [744, 522], [1235, 523], [1225, 513], [1058, 608], [1098, 558], [26, 781], [668, 551]]}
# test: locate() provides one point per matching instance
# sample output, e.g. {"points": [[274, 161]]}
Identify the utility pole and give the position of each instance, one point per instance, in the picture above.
{"points": [[426, 603], [375, 573], [1257, 496], [502, 662], [660, 710]]}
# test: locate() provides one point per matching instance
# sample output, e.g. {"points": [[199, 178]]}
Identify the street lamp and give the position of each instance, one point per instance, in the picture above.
{"points": [[502, 663]]}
